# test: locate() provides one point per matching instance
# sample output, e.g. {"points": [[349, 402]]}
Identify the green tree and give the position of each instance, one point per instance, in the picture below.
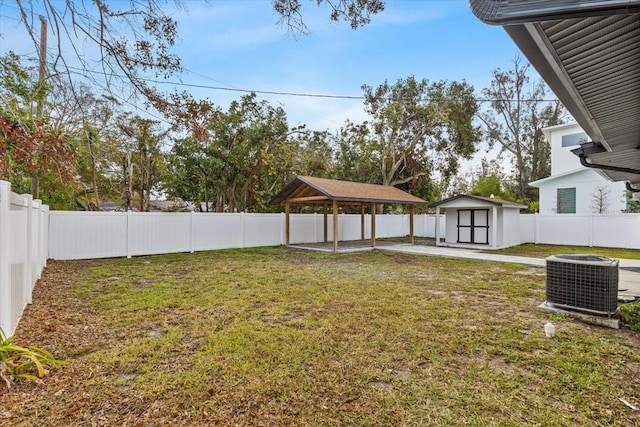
{"points": [[490, 185], [417, 133], [29, 146], [633, 205], [514, 121], [314, 153], [247, 154], [193, 172], [143, 163], [357, 159]]}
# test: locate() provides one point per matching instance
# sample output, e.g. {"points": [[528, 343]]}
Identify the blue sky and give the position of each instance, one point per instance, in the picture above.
{"points": [[237, 44]]}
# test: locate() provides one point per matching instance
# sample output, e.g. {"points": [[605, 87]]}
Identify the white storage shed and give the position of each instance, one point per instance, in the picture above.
{"points": [[479, 222]]}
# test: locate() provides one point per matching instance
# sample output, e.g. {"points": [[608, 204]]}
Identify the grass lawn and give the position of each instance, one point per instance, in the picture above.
{"points": [[277, 337], [543, 251]]}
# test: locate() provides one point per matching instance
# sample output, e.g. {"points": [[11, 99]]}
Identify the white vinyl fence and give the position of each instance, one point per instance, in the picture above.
{"points": [[23, 252], [86, 235], [613, 229], [29, 234]]}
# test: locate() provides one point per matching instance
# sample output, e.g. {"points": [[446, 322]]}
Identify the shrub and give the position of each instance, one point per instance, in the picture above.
{"points": [[630, 314], [23, 362]]}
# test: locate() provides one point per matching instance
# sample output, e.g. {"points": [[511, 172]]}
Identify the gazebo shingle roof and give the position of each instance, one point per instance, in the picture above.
{"points": [[307, 190]]}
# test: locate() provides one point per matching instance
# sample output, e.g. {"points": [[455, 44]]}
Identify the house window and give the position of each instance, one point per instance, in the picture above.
{"points": [[574, 139], [566, 200]]}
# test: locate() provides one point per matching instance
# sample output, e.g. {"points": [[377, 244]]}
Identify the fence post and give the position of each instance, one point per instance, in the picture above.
{"points": [[536, 237], [591, 230], [282, 231], [45, 237], [37, 213], [128, 234], [28, 262], [191, 232], [242, 229], [5, 276]]}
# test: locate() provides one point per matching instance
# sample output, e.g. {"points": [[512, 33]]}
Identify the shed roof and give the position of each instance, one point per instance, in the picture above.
{"points": [[488, 200], [588, 52], [307, 191]]}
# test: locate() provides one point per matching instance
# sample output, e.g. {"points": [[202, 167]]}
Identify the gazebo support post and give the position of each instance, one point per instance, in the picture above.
{"points": [[362, 222], [326, 222], [335, 226], [286, 224], [411, 212], [373, 225]]}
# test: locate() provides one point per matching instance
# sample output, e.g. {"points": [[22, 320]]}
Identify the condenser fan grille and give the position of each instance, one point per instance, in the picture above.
{"points": [[583, 282]]}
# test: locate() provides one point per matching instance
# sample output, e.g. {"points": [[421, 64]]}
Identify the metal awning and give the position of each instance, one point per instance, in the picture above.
{"points": [[588, 52]]}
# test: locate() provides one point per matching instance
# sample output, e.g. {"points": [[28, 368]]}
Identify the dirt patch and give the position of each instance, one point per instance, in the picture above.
{"points": [[534, 271], [406, 259]]}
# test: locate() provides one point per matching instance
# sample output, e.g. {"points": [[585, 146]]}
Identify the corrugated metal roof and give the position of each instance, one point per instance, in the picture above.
{"points": [[308, 191], [589, 53], [509, 12]]}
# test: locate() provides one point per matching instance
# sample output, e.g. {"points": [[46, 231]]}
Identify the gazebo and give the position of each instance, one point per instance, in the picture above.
{"points": [[311, 191]]}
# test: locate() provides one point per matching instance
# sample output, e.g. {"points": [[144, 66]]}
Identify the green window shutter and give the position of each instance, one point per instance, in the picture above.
{"points": [[566, 200]]}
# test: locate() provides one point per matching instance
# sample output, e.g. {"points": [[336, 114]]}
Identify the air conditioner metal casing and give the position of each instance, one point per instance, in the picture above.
{"points": [[583, 282]]}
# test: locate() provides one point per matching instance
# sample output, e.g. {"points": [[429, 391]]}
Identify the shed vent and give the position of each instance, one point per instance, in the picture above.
{"points": [[583, 282]]}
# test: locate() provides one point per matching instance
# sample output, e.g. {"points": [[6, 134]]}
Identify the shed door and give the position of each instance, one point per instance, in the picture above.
{"points": [[473, 226]]}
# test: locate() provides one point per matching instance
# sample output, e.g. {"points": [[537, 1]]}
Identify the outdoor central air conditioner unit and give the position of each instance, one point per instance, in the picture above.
{"points": [[583, 282]]}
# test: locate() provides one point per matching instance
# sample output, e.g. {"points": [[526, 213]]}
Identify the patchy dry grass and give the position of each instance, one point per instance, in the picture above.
{"points": [[542, 251], [275, 337]]}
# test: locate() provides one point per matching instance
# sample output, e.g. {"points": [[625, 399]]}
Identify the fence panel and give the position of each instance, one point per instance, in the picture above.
{"points": [[616, 230], [19, 285], [21, 255], [564, 229], [350, 228], [86, 235], [528, 228], [425, 225], [152, 233], [216, 231], [262, 230], [303, 228]]}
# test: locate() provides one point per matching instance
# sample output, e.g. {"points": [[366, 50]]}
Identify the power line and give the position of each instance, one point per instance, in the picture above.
{"points": [[131, 104], [282, 93]]}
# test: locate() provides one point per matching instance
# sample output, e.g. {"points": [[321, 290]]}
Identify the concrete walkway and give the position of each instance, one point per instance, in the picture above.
{"points": [[628, 282]]}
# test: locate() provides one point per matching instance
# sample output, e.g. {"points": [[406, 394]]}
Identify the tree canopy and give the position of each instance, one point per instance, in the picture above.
{"points": [[514, 121], [78, 137], [417, 133]]}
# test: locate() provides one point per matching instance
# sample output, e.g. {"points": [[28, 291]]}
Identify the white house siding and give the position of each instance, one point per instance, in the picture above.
{"points": [[562, 159], [567, 172], [585, 181]]}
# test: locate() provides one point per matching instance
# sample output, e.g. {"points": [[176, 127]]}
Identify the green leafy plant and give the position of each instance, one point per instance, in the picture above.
{"points": [[23, 362], [630, 314]]}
